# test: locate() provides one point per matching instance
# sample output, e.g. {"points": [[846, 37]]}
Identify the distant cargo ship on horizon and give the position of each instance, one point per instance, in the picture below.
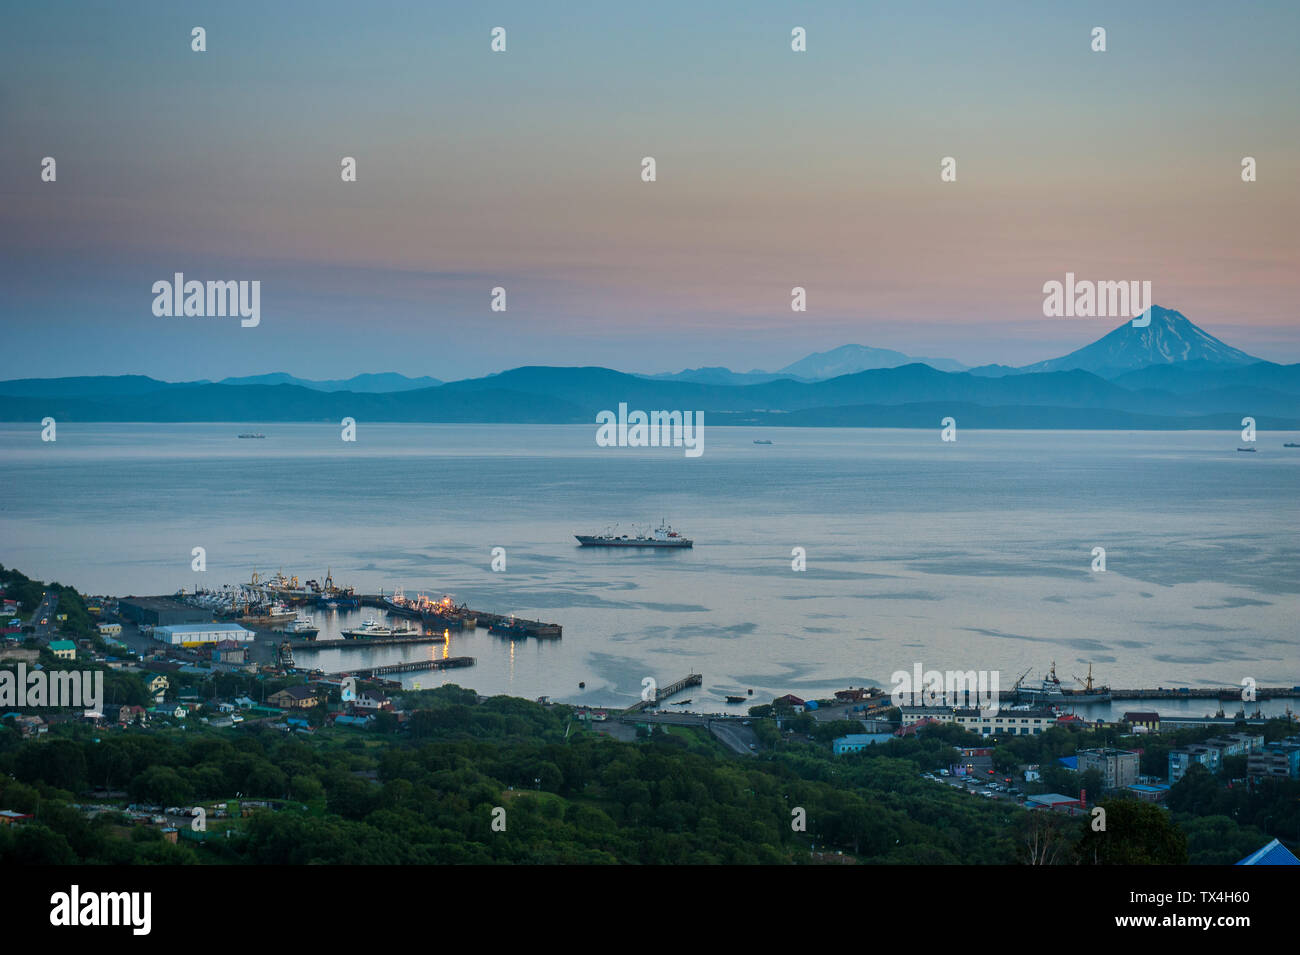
{"points": [[661, 536]]}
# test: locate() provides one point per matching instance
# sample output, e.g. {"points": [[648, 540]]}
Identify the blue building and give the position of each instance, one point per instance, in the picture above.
{"points": [[1272, 854], [1181, 760], [357, 721], [857, 742]]}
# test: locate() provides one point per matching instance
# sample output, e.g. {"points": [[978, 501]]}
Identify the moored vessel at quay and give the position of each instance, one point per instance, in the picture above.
{"points": [[372, 629], [302, 627], [1051, 690], [443, 613], [272, 616], [510, 627], [288, 590]]}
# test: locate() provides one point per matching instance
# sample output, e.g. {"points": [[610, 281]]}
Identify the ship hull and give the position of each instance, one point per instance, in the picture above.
{"points": [[618, 542], [1062, 698], [443, 622], [1087, 698]]}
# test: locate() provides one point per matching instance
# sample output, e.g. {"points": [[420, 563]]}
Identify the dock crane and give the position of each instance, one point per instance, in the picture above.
{"points": [[1086, 684]]}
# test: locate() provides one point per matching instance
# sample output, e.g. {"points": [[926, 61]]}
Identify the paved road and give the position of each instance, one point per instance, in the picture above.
{"points": [[43, 620], [673, 719], [730, 730], [739, 738]]}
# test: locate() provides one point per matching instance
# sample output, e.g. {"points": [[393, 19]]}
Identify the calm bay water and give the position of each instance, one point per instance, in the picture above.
{"points": [[972, 555]]}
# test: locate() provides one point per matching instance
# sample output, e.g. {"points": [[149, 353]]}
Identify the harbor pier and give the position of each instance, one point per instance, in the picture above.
{"points": [[662, 693]]}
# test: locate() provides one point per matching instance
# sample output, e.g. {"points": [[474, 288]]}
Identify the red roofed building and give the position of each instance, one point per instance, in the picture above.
{"points": [[911, 729]]}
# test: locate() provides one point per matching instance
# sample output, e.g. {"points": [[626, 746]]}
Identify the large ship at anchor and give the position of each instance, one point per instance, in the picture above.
{"points": [[661, 536]]}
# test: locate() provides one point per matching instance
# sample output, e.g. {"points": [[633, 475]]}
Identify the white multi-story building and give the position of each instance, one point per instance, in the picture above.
{"points": [[1007, 721]]}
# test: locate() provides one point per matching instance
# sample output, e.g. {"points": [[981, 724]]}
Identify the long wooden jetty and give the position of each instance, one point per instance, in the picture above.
{"points": [[663, 692], [412, 666]]}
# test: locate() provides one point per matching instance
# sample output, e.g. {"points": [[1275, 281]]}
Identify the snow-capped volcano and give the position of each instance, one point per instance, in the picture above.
{"points": [[1170, 339]]}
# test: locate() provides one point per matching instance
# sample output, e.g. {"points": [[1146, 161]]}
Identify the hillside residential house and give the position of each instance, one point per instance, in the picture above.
{"points": [[293, 698], [373, 700], [158, 687]]}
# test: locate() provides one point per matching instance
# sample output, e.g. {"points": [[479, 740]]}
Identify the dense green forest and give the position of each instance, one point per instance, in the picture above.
{"points": [[431, 795]]}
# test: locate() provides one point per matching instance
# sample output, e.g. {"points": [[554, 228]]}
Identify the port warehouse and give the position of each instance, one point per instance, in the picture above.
{"points": [[161, 611], [197, 634]]}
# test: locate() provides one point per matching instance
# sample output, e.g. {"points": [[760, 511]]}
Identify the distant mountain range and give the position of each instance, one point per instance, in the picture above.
{"points": [[362, 384], [140, 384], [849, 359], [845, 360], [1169, 375]]}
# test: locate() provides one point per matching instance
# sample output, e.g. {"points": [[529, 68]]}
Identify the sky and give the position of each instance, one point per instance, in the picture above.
{"points": [[522, 170]]}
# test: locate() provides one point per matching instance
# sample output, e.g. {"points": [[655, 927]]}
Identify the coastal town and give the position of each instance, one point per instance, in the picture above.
{"points": [[172, 668]]}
